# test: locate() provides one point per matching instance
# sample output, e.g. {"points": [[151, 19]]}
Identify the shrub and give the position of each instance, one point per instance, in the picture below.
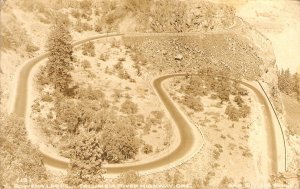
{"points": [[238, 99], [244, 111], [147, 149], [86, 64], [118, 66], [232, 113], [85, 5], [31, 48], [98, 27], [104, 56], [224, 184], [129, 107], [192, 102], [88, 49], [76, 13], [123, 74]]}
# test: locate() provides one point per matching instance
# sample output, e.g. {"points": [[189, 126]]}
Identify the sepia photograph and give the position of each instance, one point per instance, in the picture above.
{"points": [[150, 94]]}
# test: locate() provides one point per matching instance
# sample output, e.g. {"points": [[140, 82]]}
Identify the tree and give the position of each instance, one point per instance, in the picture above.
{"points": [[60, 56], [285, 83], [296, 85], [86, 160], [119, 141]]}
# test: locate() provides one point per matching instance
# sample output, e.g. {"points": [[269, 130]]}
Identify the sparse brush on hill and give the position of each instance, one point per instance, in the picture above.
{"points": [[15, 38], [168, 16]]}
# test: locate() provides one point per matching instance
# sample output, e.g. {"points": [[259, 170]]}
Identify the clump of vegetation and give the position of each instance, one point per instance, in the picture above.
{"points": [[98, 26], [225, 182], [129, 107], [86, 64], [208, 177], [88, 49], [235, 114], [31, 48], [239, 101], [119, 142], [174, 178], [104, 57], [192, 102], [147, 149]]}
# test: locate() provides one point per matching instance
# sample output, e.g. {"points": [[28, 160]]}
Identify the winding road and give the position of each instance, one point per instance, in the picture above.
{"points": [[187, 131]]}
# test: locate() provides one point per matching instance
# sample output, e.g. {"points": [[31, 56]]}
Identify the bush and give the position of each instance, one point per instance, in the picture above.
{"points": [[235, 113], [147, 149], [123, 74], [192, 102], [238, 99], [244, 111], [31, 48], [98, 27], [232, 113], [129, 107], [76, 14], [104, 56], [86, 64], [88, 49]]}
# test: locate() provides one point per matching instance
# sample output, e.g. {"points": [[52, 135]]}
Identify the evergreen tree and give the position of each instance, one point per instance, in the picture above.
{"points": [[296, 87], [60, 57]]}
